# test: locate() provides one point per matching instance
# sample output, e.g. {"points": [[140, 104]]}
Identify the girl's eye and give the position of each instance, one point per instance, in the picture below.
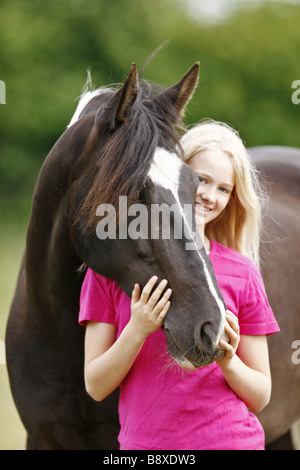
{"points": [[201, 180], [225, 190]]}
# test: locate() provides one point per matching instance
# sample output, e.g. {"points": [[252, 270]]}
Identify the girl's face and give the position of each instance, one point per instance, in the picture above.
{"points": [[216, 174]]}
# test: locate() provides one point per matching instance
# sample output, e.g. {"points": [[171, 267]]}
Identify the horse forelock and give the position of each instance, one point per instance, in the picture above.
{"points": [[123, 162]]}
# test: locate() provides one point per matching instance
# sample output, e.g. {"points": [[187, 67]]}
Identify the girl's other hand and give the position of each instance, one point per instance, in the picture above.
{"points": [[233, 331]]}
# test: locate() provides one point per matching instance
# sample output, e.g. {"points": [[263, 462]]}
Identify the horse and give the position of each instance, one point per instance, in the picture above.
{"points": [[280, 170], [121, 142]]}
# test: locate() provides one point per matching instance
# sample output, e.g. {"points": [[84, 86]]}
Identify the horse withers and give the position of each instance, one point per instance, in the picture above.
{"points": [[121, 143]]}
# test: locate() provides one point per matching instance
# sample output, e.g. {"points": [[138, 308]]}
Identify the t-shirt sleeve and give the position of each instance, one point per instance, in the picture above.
{"points": [[96, 299], [256, 316]]}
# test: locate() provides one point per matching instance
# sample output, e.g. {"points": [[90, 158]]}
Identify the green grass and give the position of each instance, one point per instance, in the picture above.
{"points": [[12, 243]]}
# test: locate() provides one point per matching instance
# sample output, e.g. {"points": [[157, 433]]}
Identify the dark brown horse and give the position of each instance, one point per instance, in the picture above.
{"points": [[121, 143], [280, 270]]}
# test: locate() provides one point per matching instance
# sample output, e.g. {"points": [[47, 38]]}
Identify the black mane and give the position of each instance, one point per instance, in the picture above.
{"points": [[125, 160]]}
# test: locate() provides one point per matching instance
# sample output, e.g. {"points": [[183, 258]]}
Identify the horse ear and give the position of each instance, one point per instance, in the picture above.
{"points": [[181, 93], [127, 95]]}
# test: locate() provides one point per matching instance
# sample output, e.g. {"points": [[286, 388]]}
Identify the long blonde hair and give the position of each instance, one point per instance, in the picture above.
{"points": [[239, 225]]}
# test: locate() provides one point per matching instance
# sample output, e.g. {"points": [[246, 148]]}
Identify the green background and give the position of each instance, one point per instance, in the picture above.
{"points": [[248, 62]]}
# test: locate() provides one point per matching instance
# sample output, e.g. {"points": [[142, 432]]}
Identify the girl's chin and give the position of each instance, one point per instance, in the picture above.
{"points": [[200, 227], [202, 218]]}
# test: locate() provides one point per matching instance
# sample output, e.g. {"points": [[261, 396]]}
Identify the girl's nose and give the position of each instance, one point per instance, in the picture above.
{"points": [[207, 195]]}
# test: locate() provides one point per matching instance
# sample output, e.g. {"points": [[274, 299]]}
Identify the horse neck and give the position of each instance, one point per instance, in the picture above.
{"points": [[50, 258]]}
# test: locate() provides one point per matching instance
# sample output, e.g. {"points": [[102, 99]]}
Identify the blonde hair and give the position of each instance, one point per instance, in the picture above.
{"points": [[239, 225]]}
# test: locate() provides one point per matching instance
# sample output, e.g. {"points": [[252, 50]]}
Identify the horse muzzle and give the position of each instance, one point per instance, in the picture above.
{"points": [[199, 354]]}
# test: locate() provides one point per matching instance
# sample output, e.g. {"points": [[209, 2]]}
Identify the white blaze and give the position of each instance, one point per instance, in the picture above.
{"points": [[165, 171]]}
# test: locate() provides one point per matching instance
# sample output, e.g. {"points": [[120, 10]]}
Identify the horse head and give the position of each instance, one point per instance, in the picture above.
{"points": [[132, 177]]}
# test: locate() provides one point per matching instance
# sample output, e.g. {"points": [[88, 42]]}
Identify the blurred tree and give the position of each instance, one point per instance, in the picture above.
{"points": [[248, 64]]}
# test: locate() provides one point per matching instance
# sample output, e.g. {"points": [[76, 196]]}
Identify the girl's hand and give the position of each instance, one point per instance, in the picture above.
{"points": [[148, 311], [233, 331]]}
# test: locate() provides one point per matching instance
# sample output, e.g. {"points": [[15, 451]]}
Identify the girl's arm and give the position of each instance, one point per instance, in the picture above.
{"points": [[245, 366], [107, 360]]}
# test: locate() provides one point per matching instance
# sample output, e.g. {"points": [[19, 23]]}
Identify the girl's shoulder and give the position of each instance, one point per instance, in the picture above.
{"points": [[103, 286], [232, 261]]}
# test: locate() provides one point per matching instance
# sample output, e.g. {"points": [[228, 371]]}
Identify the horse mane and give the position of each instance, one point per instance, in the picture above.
{"points": [[124, 162]]}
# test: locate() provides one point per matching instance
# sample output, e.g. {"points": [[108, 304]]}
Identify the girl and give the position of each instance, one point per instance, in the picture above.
{"points": [[207, 408]]}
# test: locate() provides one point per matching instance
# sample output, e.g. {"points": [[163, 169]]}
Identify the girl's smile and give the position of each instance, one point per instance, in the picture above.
{"points": [[201, 209]]}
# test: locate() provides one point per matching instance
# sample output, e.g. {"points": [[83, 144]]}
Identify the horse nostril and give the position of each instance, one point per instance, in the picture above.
{"points": [[206, 337]]}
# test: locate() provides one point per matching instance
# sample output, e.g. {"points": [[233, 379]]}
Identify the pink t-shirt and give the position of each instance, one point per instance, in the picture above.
{"points": [[164, 407]]}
